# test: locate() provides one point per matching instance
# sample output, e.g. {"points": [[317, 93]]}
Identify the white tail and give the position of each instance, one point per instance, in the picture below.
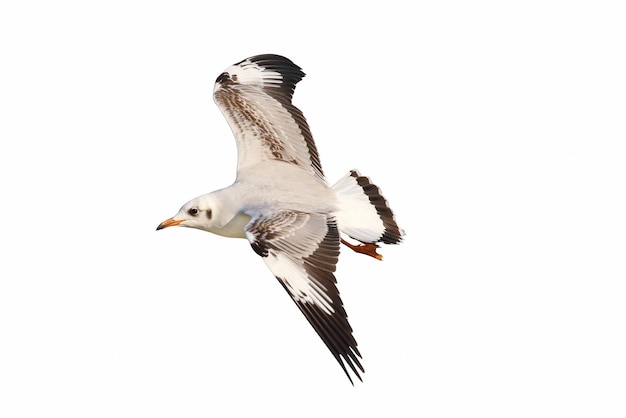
{"points": [[363, 212]]}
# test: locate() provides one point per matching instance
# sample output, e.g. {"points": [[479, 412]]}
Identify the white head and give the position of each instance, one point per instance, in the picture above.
{"points": [[211, 212], [198, 213]]}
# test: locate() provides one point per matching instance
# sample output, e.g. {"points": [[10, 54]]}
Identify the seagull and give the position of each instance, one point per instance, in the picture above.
{"points": [[281, 203]]}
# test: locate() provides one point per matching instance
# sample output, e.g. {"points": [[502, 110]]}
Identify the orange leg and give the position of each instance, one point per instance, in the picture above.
{"points": [[369, 249]]}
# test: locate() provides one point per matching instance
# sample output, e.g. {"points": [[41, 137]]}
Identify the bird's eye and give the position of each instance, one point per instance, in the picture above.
{"points": [[193, 211]]}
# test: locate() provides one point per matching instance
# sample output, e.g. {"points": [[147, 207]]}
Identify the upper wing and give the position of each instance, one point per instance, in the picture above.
{"points": [[302, 249], [255, 97]]}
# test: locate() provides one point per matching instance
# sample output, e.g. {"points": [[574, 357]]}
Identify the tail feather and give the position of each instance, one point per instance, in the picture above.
{"points": [[363, 213]]}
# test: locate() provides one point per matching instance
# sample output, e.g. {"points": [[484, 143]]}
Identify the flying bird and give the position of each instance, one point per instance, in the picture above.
{"points": [[281, 203]]}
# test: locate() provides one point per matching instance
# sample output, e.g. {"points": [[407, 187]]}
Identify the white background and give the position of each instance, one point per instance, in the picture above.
{"points": [[496, 132]]}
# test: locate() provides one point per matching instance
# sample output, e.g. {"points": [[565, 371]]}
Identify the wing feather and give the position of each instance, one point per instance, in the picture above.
{"points": [[255, 97], [302, 249]]}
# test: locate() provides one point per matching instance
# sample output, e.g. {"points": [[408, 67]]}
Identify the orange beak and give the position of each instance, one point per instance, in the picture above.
{"points": [[167, 223]]}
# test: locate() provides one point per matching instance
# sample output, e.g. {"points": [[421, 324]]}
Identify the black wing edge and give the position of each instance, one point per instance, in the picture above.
{"points": [[291, 73]]}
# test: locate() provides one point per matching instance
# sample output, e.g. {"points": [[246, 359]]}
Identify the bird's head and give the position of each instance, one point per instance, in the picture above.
{"points": [[197, 213]]}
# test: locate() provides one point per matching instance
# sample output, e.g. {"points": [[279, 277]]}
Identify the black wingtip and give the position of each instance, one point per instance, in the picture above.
{"points": [[345, 370]]}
